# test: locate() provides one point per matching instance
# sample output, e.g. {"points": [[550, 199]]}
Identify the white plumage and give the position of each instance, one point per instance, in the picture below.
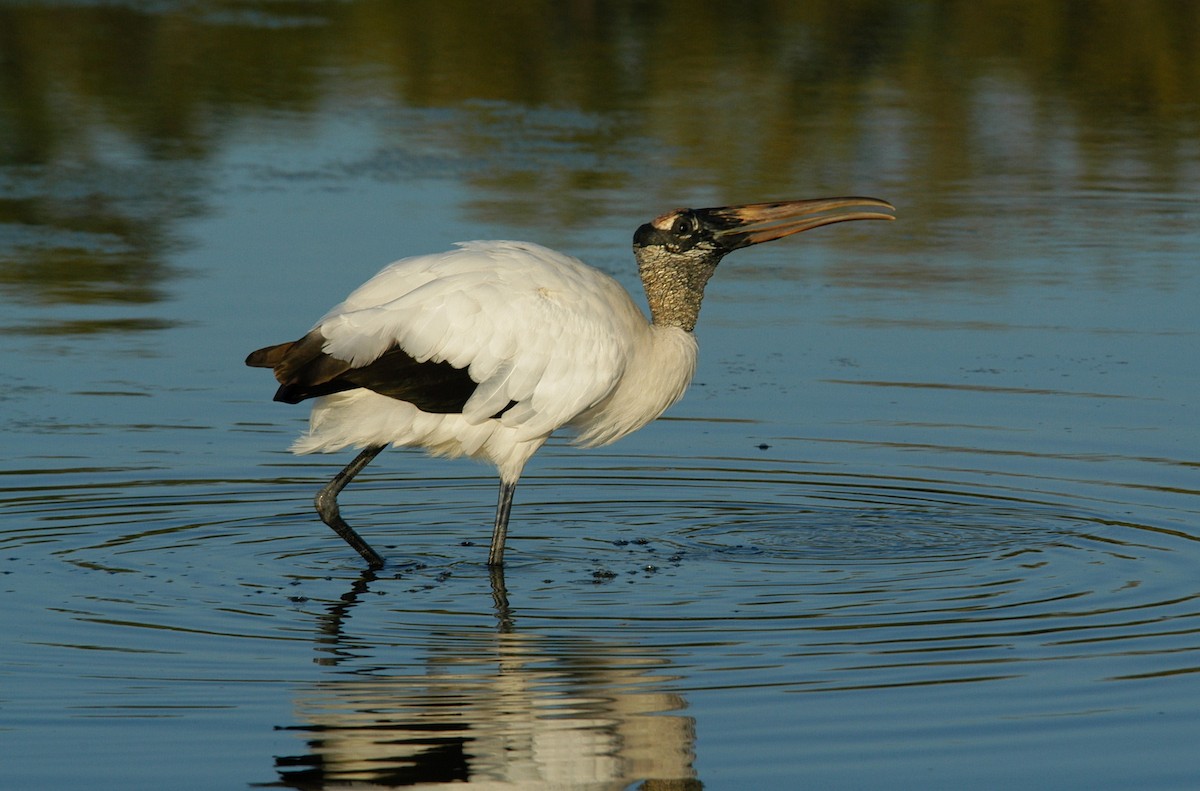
{"points": [[488, 349], [529, 325]]}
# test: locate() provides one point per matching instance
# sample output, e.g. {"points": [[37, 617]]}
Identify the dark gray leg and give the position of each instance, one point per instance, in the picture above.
{"points": [[504, 617], [500, 531], [327, 506]]}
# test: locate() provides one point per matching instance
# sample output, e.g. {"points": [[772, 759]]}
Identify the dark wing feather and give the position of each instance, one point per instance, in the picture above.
{"points": [[304, 371], [429, 386]]}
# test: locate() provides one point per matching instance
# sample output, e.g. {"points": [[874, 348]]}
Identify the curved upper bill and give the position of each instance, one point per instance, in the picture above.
{"points": [[752, 223]]}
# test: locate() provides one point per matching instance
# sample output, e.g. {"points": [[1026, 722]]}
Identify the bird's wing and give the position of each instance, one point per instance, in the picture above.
{"points": [[543, 335]]}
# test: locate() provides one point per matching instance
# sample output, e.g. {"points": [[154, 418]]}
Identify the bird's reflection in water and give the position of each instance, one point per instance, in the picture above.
{"points": [[501, 709]]}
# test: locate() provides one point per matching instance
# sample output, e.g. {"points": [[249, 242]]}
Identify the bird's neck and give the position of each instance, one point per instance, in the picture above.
{"points": [[658, 369], [674, 292]]}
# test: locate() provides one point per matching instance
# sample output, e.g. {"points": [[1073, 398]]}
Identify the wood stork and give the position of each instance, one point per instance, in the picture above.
{"points": [[488, 349]]}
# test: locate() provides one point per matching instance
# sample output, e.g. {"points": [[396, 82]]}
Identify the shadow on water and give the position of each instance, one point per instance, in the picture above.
{"points": [[502, 707]]}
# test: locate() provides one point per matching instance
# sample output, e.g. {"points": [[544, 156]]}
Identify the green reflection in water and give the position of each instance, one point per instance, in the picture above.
{"points": [[112, 113]]}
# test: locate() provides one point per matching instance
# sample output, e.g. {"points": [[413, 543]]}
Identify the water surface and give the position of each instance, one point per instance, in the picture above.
{"points": [[928, 517]]}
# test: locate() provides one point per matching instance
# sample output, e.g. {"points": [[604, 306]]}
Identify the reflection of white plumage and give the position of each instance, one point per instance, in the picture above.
{"points": [[486, 350]]}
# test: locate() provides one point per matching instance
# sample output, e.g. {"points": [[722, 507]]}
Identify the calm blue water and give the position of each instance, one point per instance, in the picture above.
{"points": [[928, 518]]}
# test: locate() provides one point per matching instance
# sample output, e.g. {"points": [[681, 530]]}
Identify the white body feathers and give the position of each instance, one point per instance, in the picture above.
{"points": [[551, 342]]}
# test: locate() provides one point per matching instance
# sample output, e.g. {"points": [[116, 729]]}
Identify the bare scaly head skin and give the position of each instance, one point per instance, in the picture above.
{"points": [[675, 262], [678, 252]]}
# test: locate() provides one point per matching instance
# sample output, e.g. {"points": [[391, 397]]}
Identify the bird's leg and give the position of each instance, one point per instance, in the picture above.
{"points": [[504, 618], [500, 531], [327, 506]]}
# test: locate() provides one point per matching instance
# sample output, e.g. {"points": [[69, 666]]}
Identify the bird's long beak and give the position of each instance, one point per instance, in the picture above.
{"points": [[752, 223]]}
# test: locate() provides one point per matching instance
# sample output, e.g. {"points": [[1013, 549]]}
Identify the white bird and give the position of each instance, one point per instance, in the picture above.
{"points": [[488, 349]]}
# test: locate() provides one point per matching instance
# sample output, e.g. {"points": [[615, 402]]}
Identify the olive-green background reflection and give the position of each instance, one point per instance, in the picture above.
{"points": [[108, 113]]}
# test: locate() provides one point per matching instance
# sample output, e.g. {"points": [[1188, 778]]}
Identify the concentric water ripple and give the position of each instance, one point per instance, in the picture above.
{"points": [[635, 585]]}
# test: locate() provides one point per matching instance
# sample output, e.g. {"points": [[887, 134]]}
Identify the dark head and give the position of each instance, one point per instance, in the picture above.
{"points": [[678, 252]]}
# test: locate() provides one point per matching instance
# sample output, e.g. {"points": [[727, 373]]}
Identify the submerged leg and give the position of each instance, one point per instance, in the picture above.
{"points": [[500, 531], [327, 506]]}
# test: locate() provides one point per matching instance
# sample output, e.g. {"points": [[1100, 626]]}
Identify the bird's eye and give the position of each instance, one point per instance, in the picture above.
{"points": [[684, 225]]}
